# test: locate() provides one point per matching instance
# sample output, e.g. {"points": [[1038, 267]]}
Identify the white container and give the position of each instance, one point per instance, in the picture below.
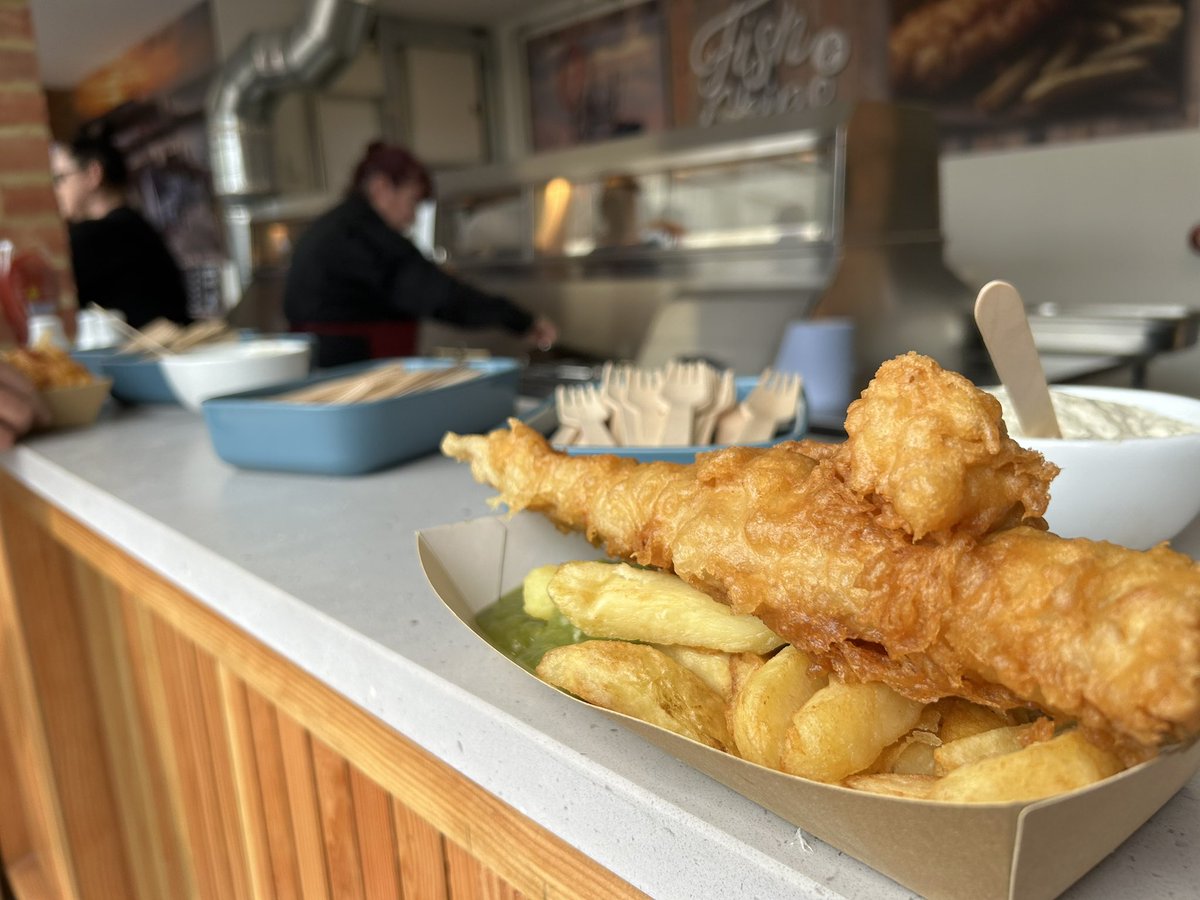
{"points": [[47, 329], [94, 329], [1137, 491], [221, 369]]}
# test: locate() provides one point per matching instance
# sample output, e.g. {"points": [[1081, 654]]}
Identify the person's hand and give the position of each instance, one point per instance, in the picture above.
{"points": [[20, 406], [542, 334]]}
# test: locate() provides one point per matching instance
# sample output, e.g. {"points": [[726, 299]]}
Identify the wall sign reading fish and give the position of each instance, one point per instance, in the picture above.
{"points": [[736, 57]]}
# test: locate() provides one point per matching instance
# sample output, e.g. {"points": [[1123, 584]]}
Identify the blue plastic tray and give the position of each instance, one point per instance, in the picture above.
{"points": [[93, 360], [253, 431], [137, 378], [544, 419]]}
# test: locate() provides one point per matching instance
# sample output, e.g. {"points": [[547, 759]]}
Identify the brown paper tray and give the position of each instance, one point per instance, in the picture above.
{"points": [[941, 850], [74, 407]]}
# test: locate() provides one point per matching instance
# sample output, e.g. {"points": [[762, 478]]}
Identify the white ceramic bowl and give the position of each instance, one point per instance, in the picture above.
{"points": [[1136, 491], [221, 369]]}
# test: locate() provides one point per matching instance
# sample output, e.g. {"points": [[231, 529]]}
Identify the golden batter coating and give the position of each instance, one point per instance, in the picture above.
{"points": [[823, 550]]}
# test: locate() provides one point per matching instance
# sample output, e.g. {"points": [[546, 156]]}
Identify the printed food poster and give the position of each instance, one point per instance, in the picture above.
{"points": [[1013, 72], [996, 73], [599, 78]]}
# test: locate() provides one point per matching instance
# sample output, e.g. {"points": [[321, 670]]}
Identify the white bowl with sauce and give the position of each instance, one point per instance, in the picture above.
{"points": [[230, 368], [1134, 491]]}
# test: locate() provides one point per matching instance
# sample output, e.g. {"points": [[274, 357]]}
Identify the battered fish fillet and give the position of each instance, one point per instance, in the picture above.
{"points": [[887, 571]]}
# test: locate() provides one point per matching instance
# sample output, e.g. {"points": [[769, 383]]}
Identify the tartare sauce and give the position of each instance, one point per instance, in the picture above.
{"points": [[1085, 417]]}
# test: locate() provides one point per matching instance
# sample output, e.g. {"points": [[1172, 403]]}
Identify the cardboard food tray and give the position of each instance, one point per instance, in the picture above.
{"points": [[941, 850], [74, 407], [254, 430]]}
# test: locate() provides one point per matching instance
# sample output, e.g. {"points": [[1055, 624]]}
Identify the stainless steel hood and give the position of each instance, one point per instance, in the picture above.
{"points": [[243, 96]]}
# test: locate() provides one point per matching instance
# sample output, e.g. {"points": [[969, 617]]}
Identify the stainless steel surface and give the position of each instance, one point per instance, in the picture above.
{"points": [[1128, 330], [739, 228], [243, 95]]}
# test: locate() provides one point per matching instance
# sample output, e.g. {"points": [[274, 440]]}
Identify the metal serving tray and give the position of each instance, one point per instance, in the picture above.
{"points": [[1129, 330]]}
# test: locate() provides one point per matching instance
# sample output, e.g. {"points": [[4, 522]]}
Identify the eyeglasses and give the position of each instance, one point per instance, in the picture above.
{"points": [[57, 178]]}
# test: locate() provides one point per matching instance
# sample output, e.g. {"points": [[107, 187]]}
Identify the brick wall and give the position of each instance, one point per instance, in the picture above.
{"points": [[28, 214]]}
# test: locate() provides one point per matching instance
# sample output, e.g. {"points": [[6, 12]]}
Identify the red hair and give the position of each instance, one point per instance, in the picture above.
{"points": [[396, 163]]}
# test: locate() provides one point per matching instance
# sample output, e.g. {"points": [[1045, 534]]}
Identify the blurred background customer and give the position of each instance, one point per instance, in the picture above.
{"points": [[360, 285], [120, 261]]}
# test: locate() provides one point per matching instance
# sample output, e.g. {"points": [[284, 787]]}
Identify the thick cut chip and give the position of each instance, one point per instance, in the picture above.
{"points": [[843, 729], [987, 744], [913, 754], [534, 593], [629, 604], [962, 718], [916, 787], [639, 681], [1064, 763], [764, 706], [976, 747], [721, 671]]}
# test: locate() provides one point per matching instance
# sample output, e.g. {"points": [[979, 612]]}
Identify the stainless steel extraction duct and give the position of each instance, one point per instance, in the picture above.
{"points": [[264, 66]]}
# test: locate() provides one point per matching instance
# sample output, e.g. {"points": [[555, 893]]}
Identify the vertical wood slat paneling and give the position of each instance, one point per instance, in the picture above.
{"points": [[305, 809], [267, 783], [104, 632], [377, 847], [252, 819], [422, 856], [31, 827], [198, 808], [331, 774], [469, 880], [162, 774], [80, 834], [219, 759], [273, 793], [15, 840]]}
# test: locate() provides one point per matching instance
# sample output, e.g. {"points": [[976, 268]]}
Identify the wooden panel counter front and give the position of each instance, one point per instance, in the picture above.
{"points": [[221, 684], [160, 752]]}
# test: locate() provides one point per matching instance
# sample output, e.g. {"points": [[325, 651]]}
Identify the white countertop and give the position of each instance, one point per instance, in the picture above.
{"points": [[325, 571]]}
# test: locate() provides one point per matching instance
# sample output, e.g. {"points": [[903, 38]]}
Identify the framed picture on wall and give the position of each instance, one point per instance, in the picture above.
{"points": [[1021, 74], [599, 78]]}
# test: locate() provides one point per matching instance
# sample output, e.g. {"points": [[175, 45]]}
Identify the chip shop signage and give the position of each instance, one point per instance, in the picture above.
{"points": [[740, 56]]}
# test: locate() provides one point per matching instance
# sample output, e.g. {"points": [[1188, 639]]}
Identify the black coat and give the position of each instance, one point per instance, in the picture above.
{"points": [[121, 262], [350, 266]]}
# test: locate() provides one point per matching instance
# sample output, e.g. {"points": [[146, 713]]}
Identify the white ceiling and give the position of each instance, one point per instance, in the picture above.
{"points": [[76, 37]]}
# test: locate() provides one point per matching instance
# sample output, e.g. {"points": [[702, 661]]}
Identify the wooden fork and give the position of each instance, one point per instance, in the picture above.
{"points": [[624, 420], [724, 396], [582, 407], [687, 387], [645, 395], [770, 404]]}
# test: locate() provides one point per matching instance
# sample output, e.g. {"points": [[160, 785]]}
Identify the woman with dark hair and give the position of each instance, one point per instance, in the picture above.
{"points": [[358, 283], [120, 261]]}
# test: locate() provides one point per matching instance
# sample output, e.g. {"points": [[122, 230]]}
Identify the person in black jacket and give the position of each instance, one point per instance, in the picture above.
{"points": [[354, 264], [120, 262]]}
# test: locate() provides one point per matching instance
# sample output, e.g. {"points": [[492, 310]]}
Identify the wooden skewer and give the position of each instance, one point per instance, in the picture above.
{"points": [[385, 382], [135, 340]]}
